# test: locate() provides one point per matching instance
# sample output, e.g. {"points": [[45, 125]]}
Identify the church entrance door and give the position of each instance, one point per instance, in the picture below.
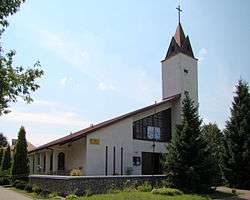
{"points": [[151, 163]]}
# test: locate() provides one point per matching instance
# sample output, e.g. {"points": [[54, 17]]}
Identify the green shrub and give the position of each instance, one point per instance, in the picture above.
{"points": [[53, 195], [44, 194], [28, 187], [71, 197], [20, 185], [88, 192], [167, 191], [5, 181], [36, 189], [75, 172], [146, 187]]}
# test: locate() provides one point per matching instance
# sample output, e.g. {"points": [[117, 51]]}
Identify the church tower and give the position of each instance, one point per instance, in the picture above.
{"points": [[179, 68]]}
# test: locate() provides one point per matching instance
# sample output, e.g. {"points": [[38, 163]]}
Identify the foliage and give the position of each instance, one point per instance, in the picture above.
{"points": [[214, 139], [88, 192], [145, 187], [3, 141], [20, 166], [15, 81], [236, 158], [75, 172], [1, 154], [5, 180], [6, 161], [53, 195], [128, 171], [28, 187], [20, 184], [71, 197], [36, 189], [188, 162], [8, 8], [167, 191]]}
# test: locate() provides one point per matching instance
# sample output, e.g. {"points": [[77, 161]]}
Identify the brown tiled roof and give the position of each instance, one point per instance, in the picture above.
{"points": [[179, 44], [86, 131]]}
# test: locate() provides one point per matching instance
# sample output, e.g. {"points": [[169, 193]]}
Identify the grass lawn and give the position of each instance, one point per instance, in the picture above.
{"points": [[142, 196], [134, 195]]}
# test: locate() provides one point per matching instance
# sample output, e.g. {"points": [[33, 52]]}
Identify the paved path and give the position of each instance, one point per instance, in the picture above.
{"points": [[244, 194], [8, 194]]}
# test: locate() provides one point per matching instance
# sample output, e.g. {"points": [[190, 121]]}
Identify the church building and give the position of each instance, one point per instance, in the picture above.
{"points": [[131, 144]]}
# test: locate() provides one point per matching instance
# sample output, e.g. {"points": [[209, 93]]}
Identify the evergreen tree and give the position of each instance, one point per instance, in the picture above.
{"points": [[236, 159], [6, 161], [188, 161], [3, 140], [1, 155], [20, 166], [214, 139]]}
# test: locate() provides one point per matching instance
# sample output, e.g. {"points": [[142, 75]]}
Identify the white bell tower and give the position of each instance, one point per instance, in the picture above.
{"points": [[179, 68]]}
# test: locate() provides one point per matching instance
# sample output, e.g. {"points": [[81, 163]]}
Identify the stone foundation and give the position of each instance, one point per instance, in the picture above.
{"points": [[64, 185]]}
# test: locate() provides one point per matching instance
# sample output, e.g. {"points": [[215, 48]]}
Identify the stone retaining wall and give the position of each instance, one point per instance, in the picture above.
{"points": [[64, 185]]}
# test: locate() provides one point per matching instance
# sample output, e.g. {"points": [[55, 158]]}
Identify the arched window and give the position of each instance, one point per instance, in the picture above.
{"points": [[61, 161]]}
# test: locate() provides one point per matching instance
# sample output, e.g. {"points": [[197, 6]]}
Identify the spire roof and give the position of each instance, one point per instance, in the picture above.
{"points": [[179, 35], [179, 44]]}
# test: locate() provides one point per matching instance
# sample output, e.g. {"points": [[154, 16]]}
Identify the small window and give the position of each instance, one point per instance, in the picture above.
{"points": [[136, 161], [186, 71]]}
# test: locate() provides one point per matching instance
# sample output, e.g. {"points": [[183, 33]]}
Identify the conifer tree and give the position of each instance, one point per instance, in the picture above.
{"points": [[20, 166], [6, 161], [214, 138], [1, 155], [188, 161], [236, 159]]}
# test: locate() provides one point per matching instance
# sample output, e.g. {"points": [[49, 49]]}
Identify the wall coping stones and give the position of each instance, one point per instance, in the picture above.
{"points": [[93, 177]]}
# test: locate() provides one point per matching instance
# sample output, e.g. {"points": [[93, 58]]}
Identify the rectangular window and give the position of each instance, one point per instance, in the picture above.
{"points": [[136, 161], [186, 71], [154, 127]]}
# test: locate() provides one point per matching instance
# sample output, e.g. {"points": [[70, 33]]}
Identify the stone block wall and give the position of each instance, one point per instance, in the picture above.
{"points": [[64, 185]]}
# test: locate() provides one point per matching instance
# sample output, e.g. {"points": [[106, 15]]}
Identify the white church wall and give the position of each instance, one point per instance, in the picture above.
{"points": [[120, 135], [76, 155], [117, 135]]}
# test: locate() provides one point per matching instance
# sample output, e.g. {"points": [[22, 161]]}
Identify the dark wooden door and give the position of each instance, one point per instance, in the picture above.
{"points": [[151, 163]]}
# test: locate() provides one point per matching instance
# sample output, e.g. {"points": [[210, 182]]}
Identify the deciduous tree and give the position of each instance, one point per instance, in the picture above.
{"points": [[15, 81]]}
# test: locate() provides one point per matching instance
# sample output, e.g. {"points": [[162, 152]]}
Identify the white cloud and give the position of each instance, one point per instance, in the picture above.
{"points": [[63, 118], [87, 55], [63, 81], [202, 54], [45, 103], [104, 87]]}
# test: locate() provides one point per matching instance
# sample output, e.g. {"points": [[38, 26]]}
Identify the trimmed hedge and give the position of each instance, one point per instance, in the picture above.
{"points": [[167, 191]]}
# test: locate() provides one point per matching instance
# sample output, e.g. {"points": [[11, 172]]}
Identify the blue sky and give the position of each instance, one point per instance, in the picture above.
{"points": [[102, 59]]}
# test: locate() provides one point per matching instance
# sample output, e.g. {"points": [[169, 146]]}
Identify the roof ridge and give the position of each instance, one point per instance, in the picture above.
{"points": [[88, 130]]}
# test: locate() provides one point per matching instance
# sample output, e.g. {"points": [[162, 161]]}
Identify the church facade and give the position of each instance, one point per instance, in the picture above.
{"points": [[132, 143]]}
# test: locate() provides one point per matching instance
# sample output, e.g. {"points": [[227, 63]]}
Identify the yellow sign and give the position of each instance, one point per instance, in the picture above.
{"points": [[94, 141]]}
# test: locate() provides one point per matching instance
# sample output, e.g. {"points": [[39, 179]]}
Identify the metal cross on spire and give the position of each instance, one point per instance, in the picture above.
{"points": [[179, 13]]}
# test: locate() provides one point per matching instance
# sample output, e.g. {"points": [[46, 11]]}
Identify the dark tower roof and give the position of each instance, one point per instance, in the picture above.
{"points": [[179, 44]]}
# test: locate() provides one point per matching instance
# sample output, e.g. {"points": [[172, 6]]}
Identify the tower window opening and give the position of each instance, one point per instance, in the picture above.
{"points": [[186, 71]]}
